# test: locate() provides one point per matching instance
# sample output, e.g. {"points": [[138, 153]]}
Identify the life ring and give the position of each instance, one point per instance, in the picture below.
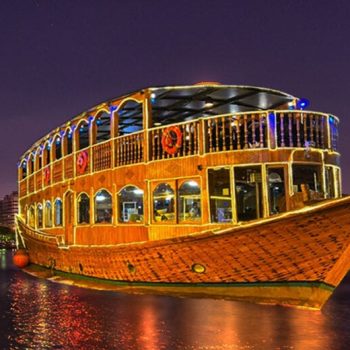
{"points": [[82, 162], [171, 139], [47, 175]]}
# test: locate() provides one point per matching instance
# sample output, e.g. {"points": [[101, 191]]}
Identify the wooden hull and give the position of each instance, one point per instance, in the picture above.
{"points": [[292, 259]]}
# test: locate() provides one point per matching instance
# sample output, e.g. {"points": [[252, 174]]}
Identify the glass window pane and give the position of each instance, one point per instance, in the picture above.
{"points": [[31, 218], [220, 195], [163, 203], [83, 209], [248, 188], [39, 210], [306, 177], [330, 192], [189, 201], [48, 214], [276, 189], [130, 201], [103, 207], [58, 212]]}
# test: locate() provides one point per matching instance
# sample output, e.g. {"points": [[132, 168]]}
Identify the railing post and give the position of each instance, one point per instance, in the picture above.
{"points": [[271, 129]]}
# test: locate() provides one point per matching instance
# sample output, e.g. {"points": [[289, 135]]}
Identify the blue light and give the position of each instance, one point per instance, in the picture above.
{"points": [[61, 132], [91, 118], [112, 108], [303, 103]]}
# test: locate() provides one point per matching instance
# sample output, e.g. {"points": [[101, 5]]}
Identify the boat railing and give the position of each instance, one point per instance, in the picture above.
{"points": [[129, 149], [304, 129], [187, 140], [36, 234], [229, 132], [235, 132]]}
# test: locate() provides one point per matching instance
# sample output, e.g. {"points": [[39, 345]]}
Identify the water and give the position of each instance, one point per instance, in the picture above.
{"points": [[38, 314]]}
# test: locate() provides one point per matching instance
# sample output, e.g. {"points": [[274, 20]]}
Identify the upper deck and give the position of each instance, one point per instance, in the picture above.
{"points": [[209, 118]]}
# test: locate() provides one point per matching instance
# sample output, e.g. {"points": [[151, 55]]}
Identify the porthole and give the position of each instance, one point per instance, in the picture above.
{"points": [[131, 268], [198, 268]]}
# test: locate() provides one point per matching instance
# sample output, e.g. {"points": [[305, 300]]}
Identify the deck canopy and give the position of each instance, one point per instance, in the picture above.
{"points": [[181, 103], [178, 104]]}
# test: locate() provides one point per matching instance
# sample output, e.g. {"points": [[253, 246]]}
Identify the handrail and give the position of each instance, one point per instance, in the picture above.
{"points": [[207, 134]]}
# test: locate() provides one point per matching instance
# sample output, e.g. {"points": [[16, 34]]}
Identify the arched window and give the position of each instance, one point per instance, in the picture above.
{"points": [[30, 164], [83, 135], [163, 203], [58, 148], [24, 169], [31, 216], [103, 207], [103, 127], [130, 201], [39, 215], [83, 209], [68, 142], [48, 214], [58, 212], [39, 160], [47, 152], [189, 201], [129, 118]]}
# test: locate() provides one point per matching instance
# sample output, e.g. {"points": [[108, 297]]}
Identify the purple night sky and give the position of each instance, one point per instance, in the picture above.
{"points": [[60, 57]]}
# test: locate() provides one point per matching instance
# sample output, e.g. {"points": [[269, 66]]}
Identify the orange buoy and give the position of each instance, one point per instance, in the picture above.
{"points": [[21, 258]]}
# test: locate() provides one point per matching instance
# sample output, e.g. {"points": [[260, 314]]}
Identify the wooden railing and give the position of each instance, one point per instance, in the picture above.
{"points": [[129, 149], [301, 129], [235, 132], [188, 145], [102, 156]]}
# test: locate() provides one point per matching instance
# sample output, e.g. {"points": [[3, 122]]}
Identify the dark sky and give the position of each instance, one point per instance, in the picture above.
{"points": [[60, 57]]}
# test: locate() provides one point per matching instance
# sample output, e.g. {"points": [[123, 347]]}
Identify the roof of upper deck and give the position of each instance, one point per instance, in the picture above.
{"points": [[178, 103], [175, 104]]}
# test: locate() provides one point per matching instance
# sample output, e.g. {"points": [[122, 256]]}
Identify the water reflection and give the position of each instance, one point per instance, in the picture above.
{"points": [[37, 314]]}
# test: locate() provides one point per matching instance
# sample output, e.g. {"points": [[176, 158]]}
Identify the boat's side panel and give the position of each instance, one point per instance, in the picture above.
{"points": [[302, 248]]}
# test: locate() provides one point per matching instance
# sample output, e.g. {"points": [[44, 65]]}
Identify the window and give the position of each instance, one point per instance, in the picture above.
{"points": [[83, 135], [130, 201], [24, 169], [31, 216], [103, 207], [68, 139], [58, 148], [163, 203], [276, 188], [103, 127], [306, 178], [31, 164], [58, 212], [39, 213], [83, 209], [39, 158], [47, 154], [248, 188], [189, 201], [48, 214], [220, 195], [330, 189]]}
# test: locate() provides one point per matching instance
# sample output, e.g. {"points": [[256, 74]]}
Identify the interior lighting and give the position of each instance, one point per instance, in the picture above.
{"points": [[138, 191], [209, 105], [100, 198], [192, 183]]}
